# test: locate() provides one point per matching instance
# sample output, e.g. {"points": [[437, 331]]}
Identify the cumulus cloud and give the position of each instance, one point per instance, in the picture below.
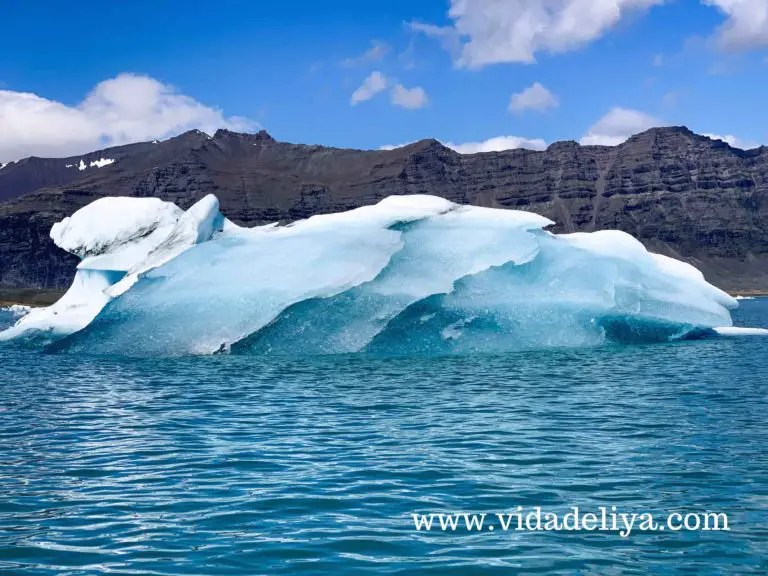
{"points": [[746, 26], [617, 126], [734, 141], [125, 109], [486, 32], [411, 98], [496, 31], [496, 144], [375, 53], [396, 146], [535, 97], [371, 86]]}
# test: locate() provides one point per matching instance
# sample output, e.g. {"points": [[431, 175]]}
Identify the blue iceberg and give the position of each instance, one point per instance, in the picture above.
{"points": [[409, 275]]}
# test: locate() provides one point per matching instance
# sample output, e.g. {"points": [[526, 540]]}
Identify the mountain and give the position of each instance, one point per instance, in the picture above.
{"points": [[681, 194]]}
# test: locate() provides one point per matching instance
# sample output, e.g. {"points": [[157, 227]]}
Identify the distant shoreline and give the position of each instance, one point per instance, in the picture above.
{"points": [[39, 297], [35, 297]]}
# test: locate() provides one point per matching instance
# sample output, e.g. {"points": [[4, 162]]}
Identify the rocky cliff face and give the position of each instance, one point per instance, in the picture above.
{"points": [[681, 194]]}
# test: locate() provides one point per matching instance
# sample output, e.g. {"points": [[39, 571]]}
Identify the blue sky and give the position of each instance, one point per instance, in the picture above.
{"points": [[596, 71]]}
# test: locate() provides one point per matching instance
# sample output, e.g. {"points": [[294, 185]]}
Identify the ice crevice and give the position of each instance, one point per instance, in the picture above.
{"points": [[410, 275]]}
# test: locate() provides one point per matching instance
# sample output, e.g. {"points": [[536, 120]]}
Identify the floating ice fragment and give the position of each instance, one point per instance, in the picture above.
{"points": [[17, 310], [738, 331]]}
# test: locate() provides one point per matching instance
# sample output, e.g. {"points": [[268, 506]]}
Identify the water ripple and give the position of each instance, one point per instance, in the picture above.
{"points": [[229, 465]]}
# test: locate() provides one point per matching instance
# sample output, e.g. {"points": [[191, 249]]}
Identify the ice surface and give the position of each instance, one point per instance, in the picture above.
{"points": [[109, 224], [116, 233], [251, 276], [435, 253], [196, 225], [737, 331], [579, 290], [409, 275]]}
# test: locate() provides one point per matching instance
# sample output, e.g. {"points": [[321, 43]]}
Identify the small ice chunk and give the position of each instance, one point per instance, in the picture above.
{"points": [[17, 310], [739, 331]]}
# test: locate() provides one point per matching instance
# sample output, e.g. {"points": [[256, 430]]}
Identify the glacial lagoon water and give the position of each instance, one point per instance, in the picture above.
{"points": [[242, 465]]}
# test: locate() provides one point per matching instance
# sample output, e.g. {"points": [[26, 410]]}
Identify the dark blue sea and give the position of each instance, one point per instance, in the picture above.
{"points": [[237, 465]]}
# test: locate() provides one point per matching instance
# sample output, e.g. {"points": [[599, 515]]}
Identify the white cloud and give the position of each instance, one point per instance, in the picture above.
{"points": [[371, 86], [747, 24], [487, 32], [498, 144], [128, 108], [375, 53], [617, 126], [411, 98], [627, 122], [734, 141], [491, 145], [396, 146], [535, 97], [495, 31]]}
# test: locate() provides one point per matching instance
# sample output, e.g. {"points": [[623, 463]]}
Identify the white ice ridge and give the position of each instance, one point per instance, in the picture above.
{"points": [[411, 274], [738, 331]]}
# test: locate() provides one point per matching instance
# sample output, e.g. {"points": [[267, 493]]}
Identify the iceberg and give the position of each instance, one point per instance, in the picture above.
{"points": [[410, 275]]}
